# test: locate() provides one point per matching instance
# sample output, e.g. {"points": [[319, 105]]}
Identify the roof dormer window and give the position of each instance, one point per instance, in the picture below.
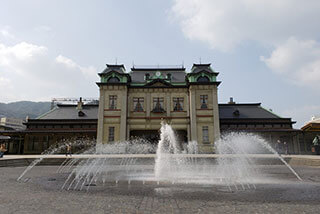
{"points": [[203, 79], [113, 79]]}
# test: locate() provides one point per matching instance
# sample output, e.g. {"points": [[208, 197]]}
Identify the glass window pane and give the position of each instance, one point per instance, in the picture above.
{"points": [[205, 134], [111, 134], [138, 104], [112, 102], [204, 101], [178, 104], [158, 105]]}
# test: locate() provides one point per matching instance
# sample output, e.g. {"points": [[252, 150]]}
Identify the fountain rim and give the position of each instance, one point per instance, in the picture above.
{"points": [[153, 155]]}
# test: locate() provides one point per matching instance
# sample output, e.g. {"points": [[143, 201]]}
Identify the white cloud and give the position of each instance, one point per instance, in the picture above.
{"points": [[5, 33], [225, 24], [86, 71], [297, 61], [291, 27], [28, 72], [23, 52]]}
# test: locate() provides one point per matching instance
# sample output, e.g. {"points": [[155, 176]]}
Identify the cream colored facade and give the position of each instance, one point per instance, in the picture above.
{"points": [[121, 118]]}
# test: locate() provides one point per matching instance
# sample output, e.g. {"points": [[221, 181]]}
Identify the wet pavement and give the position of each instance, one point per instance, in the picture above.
{"points": [[40, 192]]}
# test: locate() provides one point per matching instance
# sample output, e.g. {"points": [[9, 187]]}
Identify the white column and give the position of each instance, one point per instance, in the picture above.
{"points": [[188, 130], [123, 118], [128, 132], [193, 117], [100, 129], [216, 120], [168, 109], [148, 102]]}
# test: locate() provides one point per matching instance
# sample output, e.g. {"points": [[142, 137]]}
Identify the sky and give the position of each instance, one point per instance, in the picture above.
{"points": [[265, 51]]}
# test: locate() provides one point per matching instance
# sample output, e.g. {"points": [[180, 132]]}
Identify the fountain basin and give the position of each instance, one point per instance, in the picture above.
{"points": [[260, 159]]}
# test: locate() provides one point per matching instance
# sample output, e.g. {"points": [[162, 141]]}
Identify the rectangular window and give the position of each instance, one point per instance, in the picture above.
{"points": [[45, 141], [31, 143], [158, 105], [111, 134], [138, 104], [205, 134], [204, 101], [112, 102], [302, 147], [177, 104]]}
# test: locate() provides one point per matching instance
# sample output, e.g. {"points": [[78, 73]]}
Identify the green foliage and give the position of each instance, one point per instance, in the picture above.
{"points": [[22, 109]]}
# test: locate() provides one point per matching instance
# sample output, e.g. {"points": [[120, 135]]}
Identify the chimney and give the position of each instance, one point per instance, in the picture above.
{"points": [[79, 108], [231, 101], [80, 103]]}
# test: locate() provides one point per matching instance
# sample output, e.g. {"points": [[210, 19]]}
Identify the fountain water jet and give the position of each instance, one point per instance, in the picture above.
{"points": [[233, 165], [57, 149], [236, 156]]}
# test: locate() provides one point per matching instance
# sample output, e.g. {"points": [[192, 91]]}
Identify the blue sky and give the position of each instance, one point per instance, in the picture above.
{"points": [[266, 51]]}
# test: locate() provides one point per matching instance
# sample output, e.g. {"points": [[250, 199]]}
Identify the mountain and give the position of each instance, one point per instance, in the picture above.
{"points": [[22, 109]]}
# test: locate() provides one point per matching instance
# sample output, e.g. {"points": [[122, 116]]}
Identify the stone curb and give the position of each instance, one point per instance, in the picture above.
{"points": [[304, 162], [294, 161]]}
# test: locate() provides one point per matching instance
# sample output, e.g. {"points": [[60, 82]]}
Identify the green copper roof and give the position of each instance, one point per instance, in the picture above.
{"points": [[173, 76]]}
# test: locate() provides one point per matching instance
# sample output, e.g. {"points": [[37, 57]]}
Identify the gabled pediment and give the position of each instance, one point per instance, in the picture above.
{"points": [[114, 76], [158, 83], [202, 76]]}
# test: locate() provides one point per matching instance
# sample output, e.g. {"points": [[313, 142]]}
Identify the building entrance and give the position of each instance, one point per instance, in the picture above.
{"points": [[153, 136]]}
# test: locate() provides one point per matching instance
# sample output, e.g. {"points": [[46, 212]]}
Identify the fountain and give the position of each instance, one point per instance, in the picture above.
{"points": [[234, 165]]}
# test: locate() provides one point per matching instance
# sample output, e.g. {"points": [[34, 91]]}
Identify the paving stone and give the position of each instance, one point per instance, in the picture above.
{"points": [[282, 194]]}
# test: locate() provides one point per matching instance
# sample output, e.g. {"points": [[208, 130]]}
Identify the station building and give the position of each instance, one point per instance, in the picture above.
{"points": [[133, 104]]}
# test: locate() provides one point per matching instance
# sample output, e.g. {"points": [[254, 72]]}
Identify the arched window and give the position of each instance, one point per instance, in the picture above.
{"points": [[113, 79], [203, 79]]}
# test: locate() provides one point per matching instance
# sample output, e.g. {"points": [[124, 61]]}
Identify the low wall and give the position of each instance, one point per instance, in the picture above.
{"points": [[149, 159], [296, 161]]}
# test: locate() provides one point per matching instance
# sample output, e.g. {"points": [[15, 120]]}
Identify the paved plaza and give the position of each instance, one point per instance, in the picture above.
{"points": [[40, 192]]}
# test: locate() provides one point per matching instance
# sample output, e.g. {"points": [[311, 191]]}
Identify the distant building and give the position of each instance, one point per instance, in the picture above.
{"points": [[253, 118], [61, 123], [310, 130], [7, 123], [11, 134], [312, 125]]}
